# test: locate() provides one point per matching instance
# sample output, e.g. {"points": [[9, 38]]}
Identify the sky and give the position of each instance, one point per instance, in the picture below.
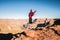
{"points": [[19, 9]]}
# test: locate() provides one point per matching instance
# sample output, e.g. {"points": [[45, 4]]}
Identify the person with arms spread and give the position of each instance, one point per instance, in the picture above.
{"points": [[30, 15]]}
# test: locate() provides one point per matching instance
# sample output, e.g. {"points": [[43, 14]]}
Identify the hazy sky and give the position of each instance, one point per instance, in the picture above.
{"points": [[20, 8]]}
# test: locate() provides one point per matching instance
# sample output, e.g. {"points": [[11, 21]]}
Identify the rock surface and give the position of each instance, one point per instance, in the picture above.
{"points": [[44, 34], [15, 26]]}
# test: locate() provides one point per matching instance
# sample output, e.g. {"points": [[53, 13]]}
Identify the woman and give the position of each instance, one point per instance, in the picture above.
{"points": [[30, 16]]}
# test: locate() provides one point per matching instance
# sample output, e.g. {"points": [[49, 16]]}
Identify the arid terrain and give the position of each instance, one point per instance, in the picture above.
{"points": [[26, 31], [11, 25]]}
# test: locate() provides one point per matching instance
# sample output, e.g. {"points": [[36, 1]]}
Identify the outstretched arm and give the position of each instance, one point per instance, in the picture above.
{"points": [[34, 11]]}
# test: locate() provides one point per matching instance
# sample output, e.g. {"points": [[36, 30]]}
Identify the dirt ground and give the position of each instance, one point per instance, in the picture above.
{"points": [[44, 34], [14, 26]]}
